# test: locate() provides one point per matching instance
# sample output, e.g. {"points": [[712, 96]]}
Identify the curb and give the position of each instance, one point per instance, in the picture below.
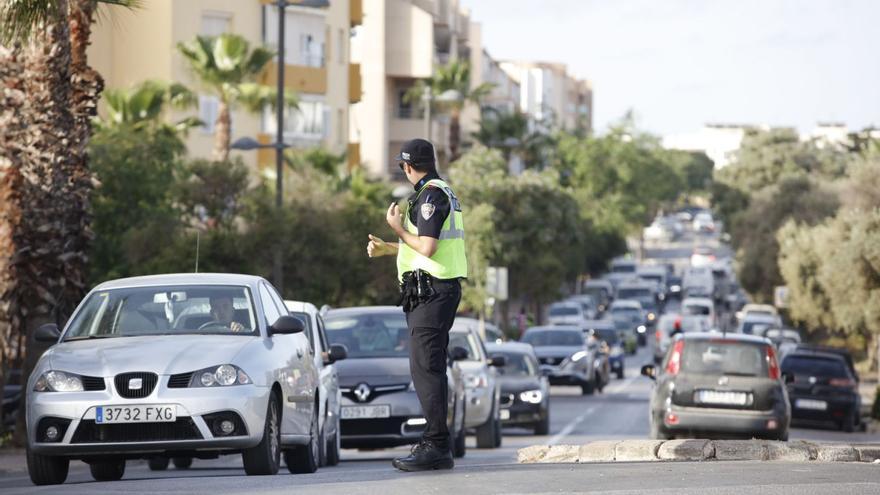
{"points": [[699, 450]]}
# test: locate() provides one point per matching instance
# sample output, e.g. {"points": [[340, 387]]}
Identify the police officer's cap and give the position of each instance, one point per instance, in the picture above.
{"points": [[417, 152]]}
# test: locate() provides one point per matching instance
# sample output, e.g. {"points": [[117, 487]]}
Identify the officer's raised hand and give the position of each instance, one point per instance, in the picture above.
{"points": [[394, 219], [377, 247]]}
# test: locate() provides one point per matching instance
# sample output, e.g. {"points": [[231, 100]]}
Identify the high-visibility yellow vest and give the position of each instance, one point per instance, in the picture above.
{"points": [[449, 261]]}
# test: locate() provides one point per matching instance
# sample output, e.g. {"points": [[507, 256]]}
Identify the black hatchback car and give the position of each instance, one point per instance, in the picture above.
{"points": [[824, 388], [525, 393], [721, 386]]}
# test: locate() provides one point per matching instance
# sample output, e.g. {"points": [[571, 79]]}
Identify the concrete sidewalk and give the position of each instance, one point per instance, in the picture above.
{"points": [[700, 450]]}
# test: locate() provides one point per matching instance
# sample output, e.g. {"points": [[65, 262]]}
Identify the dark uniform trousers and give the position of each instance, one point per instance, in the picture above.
{"points": [[429, 323]]}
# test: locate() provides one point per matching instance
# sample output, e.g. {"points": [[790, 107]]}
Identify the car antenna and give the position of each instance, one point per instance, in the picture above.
{"points": [[198, 239]]}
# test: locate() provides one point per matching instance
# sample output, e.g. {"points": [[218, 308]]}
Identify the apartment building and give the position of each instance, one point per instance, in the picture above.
{"points": [[551, 97], [399, 43], [132, 46]]}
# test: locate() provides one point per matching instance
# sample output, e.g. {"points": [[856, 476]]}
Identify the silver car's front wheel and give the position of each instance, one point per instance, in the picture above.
{"points": [[265, 457], [305, 458]]}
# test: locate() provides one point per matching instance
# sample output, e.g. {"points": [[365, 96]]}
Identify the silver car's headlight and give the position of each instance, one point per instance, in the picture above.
{"points": [[532, 396], [476, 380], [642, 329], [220, 376], [58, 381]]}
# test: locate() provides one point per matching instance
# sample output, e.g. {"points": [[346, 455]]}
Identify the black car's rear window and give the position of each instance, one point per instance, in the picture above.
{"points": [[564, 311], [725, 357], [815, 366]]}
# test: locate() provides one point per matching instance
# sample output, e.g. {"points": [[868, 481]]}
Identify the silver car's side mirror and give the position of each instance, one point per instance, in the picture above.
{"points": [[47, 333], [286, 325]]}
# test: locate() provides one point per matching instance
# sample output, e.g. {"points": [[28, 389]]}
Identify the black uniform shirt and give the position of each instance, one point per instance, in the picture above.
{"points": [[428, 210]]}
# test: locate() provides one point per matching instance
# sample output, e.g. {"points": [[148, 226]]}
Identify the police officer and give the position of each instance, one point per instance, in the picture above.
{"points": [[430, 264]]}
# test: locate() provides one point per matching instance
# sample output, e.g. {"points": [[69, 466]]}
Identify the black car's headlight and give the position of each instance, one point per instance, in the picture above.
{"points": [[532, 396], [58, 381], [220, 376]]}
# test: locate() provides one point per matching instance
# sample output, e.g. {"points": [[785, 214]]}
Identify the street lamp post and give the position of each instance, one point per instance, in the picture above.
{"points": [[247, 143]]}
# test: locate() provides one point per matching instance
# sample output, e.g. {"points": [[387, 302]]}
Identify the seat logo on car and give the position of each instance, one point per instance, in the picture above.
{"points": [[362, 392], [135, 384]]}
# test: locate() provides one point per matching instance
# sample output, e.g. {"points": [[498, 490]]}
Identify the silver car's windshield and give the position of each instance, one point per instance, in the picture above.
{"points": [[165, 310], [467, 342], [369, 335]]}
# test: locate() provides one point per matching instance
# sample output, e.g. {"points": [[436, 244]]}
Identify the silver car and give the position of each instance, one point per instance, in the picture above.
{"points": [[187, 365], [324, 355], [482, 389]]}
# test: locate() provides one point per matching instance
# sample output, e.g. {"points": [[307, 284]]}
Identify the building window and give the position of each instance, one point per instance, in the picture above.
{"points": [[309, 121], [215, 23], [406, 108], [311, 51], [209, 108]]}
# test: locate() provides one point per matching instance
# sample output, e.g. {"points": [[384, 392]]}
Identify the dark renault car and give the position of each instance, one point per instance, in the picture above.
{"points": [[525, 393], [721, 386], [823, 389], [379, 404]]}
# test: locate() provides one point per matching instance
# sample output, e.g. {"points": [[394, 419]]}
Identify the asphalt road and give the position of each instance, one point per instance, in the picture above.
{"points": [[620, 412]]}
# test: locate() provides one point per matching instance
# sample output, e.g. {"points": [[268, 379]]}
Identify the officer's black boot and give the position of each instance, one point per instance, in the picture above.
{"points": [[424, 457]]}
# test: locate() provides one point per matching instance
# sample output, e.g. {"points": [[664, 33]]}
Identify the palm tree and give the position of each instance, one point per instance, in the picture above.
{"points": [[51, 95], [451, 90], [511, 132], [143, 105], [228, 67]]}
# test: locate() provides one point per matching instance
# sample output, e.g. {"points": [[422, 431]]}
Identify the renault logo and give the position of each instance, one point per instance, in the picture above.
{"points": [[362, 392], [723, 380], [135, 384]]}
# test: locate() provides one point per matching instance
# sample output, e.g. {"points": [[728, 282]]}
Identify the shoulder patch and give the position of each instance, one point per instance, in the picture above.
{"points": [[428, 210]]}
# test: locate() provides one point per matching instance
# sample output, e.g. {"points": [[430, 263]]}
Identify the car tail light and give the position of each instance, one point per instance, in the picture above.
{"points": [[772, 363], [674, 364], [658, 336], [842, 382], [671, 419]]}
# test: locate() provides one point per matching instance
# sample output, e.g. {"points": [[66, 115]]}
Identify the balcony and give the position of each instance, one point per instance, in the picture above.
{"points": [[354, 83], [300, 78], [356, 12], [353, 155], [265, 156]]}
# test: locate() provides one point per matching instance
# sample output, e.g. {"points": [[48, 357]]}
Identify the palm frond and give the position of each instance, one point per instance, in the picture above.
{"points": [[254, 97], [19, 18]]}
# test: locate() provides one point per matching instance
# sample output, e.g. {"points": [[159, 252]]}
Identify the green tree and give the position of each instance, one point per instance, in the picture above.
{"points": [[137, 168], [228, 67], [454, 78], [754, 231]]}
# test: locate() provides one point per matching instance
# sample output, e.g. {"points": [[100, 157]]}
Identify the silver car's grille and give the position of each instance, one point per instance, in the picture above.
{"points": [[93, 383], [90, 432], [136, 385], [180, 380]]}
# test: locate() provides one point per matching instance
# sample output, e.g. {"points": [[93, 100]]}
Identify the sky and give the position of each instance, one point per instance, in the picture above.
{"points": [[682, 63]]}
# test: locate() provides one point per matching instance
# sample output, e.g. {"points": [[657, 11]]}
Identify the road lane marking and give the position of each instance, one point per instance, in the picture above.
{"points": [[571, 426], [621, 386]]}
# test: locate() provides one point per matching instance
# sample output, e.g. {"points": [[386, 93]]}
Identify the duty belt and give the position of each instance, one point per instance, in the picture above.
{"points": [[418, 286]]}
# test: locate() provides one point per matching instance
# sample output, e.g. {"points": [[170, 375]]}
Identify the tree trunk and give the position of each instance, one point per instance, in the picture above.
{"points": [[222, 129], [454, 134], [46, 223], [12, 139]]}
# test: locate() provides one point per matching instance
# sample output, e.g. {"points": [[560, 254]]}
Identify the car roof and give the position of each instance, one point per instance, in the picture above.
{"points": [[652, 269], [301, 307], [548, 328], [357, 310], [636, 283], [182, 279], [626, 303], [597, 282], [737, 337], [512, 347], [760, 317], [697, 300], [566, 303]]}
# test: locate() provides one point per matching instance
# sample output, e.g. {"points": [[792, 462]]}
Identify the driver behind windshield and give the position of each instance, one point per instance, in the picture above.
{"points": [[223, 313]]}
